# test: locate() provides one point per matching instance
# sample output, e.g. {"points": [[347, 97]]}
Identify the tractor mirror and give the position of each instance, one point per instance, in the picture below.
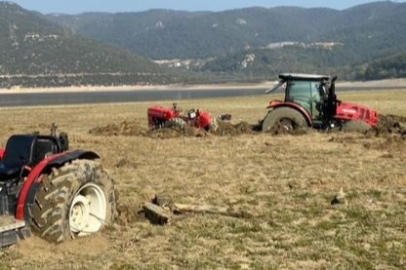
{"points": [[276, 87]]}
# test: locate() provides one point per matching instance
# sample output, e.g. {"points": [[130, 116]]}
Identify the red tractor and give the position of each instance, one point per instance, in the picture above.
{"points": [[311, 101], [53, 192], [164, 117]]}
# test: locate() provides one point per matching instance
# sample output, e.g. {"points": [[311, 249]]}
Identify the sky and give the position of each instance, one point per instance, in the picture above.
{"points": [[79, 6]]}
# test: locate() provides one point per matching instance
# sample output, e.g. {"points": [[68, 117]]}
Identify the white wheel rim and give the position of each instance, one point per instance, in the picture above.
{"points": [[87, 213]]}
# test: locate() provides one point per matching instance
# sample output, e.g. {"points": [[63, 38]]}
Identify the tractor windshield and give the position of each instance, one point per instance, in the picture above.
{"points": [[306, 94]]}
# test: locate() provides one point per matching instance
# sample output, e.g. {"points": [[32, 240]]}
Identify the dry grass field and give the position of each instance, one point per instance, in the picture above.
{"points": [[287, 181]]}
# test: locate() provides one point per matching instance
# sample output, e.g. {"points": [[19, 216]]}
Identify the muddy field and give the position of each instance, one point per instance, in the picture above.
{"points": [[389, 125], [136, 129], [318, 200]]}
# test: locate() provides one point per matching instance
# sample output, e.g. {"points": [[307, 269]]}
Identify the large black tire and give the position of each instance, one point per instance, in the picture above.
{"points": [[52, 210], [288, 118], [356, 126], [175, 122]]}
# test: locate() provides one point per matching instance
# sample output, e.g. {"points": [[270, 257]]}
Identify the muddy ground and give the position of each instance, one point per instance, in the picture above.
{"points": [[289, 183], [133, 128], [388, 125]]}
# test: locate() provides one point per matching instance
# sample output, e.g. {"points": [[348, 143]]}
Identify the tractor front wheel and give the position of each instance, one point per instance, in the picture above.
{"points": [[75, 200], [287, 118], [175, 122]]}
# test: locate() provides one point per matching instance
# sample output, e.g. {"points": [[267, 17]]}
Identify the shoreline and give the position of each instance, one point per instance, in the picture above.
{"points": [[262, 85], [21, 90]]}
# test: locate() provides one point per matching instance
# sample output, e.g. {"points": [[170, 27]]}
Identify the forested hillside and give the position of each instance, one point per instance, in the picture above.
{"points": [[282, 38], [37, 52], [365, 42], [389, 67]]}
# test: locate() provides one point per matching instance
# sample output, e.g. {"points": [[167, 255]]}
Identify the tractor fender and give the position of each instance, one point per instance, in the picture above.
{"points": [[294, 106], [33, 181], [69, 156], [2, 153]]}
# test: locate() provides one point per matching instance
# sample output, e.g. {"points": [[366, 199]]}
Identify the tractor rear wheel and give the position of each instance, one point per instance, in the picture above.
{"points": [[355, 126], [287, 118], [75, 200]]}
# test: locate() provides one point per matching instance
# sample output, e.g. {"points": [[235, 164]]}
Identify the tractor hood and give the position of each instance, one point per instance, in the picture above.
{"points": [[352, 111]]}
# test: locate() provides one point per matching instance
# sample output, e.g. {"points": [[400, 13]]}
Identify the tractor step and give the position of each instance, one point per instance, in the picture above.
{"points": [[12, 231]]}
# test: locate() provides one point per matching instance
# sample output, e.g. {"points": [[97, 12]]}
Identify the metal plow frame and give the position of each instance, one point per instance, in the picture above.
{"points": [[12, 231]]}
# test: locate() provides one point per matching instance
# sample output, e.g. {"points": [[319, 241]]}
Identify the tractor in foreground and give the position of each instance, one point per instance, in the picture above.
{"points": [[311, 102], [165, 117], [51, 191]]}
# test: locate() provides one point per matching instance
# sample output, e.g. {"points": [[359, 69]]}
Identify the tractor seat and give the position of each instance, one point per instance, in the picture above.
{"points": [[7, 173], [18, 154]]}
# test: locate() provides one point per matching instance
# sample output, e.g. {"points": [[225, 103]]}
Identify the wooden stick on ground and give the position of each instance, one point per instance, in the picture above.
{"points": [[162, 209], [156, 214]]}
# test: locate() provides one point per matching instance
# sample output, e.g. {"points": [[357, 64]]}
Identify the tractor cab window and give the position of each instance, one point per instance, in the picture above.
{"points": [[299, 89], [300, 92], [306, 94], [316, 92]]}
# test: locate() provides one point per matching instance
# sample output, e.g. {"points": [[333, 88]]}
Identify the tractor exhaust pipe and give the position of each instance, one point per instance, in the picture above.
{"points": [[332, 101]]}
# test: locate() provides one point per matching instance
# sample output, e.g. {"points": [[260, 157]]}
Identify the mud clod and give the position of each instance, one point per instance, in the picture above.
{"points": [[229, 129], [388, 125]]}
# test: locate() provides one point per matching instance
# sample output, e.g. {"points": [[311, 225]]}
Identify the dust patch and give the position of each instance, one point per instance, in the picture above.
{"points": [[39, 250]]}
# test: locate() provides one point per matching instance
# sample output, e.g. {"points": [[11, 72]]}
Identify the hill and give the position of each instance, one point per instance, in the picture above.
{"points": [[166, 34], [389, 67], [365, 33], [363, 42], [37, 52], [266, 63]]}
